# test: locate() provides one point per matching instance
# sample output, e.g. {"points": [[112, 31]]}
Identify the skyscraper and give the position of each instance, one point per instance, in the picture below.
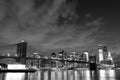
{"points": [[53, 55], [105, 52], [110, 57], [87, 56], [100, 51]]}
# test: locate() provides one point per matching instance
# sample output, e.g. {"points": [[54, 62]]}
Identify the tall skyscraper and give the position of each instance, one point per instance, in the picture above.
{"points": [[110, 57], [105, 52], [110, 60], [87, 56], [100, 51]]}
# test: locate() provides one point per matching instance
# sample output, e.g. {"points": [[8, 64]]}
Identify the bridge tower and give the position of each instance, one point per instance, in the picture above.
{"points": [[21, 52], [92, 60]]}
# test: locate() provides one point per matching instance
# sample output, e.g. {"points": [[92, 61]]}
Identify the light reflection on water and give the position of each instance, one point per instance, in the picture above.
{"points": [[107, 75], [15, 76], [63, 75]]}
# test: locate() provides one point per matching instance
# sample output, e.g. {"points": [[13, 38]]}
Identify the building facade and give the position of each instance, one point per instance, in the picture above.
{"points": [[100, 52]]}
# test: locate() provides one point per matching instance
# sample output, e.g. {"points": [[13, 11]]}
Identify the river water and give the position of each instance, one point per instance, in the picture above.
{"points": [[64, 75]]}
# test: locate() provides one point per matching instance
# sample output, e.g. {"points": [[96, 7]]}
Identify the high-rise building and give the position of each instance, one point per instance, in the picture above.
{"points": [[87, 56], [100, 51], [62, 54], [83, 57], [105, 52], [110, 57], [53, 62], [53, 56]]}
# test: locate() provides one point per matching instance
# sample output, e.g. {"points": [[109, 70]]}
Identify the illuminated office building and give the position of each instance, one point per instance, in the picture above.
{"points": [[110, 57], [83, 57], [100, 51], [86, 55], [110, 60], [105, 52]]}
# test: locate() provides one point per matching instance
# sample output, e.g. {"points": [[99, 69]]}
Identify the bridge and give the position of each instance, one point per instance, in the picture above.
{"points": [[31, 58], [21, 57]]}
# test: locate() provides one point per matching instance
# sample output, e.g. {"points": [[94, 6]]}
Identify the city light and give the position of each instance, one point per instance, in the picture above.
{"points": [[62, 60], [16, 66], [15, 76]]}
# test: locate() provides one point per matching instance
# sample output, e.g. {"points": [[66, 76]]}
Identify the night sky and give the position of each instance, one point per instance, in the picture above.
{"points": [[60, 24]]}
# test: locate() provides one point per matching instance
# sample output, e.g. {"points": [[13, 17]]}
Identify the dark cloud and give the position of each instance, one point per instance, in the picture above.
{"points": [[46, 24]]}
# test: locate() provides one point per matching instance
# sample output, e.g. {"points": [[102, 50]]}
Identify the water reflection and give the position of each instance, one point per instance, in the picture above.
{"points": [[62, 75], [15, 76], [107, 75]]}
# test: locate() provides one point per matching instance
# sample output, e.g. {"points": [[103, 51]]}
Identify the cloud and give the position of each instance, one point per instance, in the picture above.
{"points": [[39, 25]]}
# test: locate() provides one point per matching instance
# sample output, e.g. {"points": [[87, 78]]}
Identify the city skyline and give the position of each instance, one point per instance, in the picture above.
{"points": [[57, 24]]}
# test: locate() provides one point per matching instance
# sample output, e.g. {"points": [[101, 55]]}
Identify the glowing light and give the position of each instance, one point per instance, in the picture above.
{"points": [[76, 75], [15, 76], [16, 55], [35, 53], [65, 75], [86, 53], [86, 75], [53, 76], [16, 66], [23, 41], [110, 57], [73, 53], [102, 73], [8, 54], [46, 75], [100, 54], [111, 73]]}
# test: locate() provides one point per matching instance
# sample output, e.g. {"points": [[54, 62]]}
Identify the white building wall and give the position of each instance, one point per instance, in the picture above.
{"points": [[87, 56], [100, 55]]}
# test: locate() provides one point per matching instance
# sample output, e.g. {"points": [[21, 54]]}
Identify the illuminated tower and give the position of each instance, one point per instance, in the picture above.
{"points": [[100, 51], [87, 57], [110, 57], [110, 60], [105, 52]]}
